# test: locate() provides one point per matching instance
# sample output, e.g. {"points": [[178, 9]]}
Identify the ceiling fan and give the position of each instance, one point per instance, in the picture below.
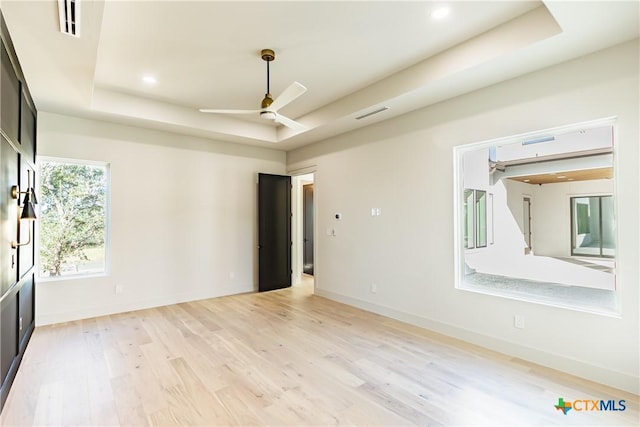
{"points": [[269, 106]]}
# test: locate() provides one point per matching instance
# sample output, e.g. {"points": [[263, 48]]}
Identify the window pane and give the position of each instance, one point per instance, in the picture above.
{"points": [[593, 226], [608, 226], [73, 206], [481, 218], [586, 237], [582, 216], [469, 241]]}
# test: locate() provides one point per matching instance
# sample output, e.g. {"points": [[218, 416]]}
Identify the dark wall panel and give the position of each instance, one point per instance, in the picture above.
{"points": [[17, 163], [10, 107], [25, 312], [28, 130], [8, 215], [9, 334], [26, 230]]}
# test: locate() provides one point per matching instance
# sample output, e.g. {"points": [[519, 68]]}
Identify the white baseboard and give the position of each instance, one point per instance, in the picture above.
{"points": [[43, 319], [591, 372]]}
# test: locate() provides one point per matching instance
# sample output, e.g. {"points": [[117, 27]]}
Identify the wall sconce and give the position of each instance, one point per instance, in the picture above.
{"points": [[28, 211]]}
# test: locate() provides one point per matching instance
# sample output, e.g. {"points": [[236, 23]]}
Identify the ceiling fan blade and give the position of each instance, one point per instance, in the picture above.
{"points": [[291, 124], [208, 110], [288, 95]]}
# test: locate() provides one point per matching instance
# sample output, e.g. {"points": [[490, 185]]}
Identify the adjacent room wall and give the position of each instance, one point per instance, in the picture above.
{"points": [[183, 217], [552, 210], [404, 166]]}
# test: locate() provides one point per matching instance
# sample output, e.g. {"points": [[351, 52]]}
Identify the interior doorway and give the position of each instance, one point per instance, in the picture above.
{"points": [[526, 219], [303, 232], [307, 229]]}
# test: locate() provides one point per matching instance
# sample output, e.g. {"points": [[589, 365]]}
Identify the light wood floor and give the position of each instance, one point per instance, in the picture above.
{"points": [[282, 358]]}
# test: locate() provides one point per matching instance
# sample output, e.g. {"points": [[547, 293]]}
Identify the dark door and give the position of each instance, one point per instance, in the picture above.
{"points": [[307, 228], [274, 232]]}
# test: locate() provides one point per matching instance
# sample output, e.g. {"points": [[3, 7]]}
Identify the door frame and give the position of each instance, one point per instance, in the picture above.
{"points": [[307, 228], [297, 223]]}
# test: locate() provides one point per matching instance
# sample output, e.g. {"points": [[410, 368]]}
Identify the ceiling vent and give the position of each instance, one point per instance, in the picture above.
{"points": [[69, 12], [371, 113]]}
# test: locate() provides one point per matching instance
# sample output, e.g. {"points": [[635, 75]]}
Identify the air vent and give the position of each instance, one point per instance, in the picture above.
{"points": [[539, 140], [379, 110], [69, 11]]}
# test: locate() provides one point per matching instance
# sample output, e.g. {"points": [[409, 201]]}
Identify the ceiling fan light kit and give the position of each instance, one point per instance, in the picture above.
{"points": [[269, 107]]}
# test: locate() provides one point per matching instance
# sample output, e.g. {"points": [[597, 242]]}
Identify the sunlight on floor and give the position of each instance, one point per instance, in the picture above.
{"points": [[306, 284]]}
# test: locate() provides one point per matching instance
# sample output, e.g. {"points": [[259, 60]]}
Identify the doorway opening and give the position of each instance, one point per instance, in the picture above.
{"points": [[303, 233], [526, 222]]}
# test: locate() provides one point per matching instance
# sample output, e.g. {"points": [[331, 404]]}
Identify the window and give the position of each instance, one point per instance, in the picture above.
{"points": [[475, 218], [481, 219], [469, 243], [73, 201], [570, 261], [593, 226]]}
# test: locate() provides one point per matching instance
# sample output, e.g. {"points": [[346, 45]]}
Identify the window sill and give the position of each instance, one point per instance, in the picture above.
{"points": [[586, 300], [47, 279]]}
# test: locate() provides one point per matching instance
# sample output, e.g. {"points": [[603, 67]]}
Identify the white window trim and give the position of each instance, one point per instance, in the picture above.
{"points": [[107, 227], [458, 209]]}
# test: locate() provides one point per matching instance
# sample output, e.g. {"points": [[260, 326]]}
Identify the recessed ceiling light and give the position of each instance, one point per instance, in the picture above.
{"points": [[527, 180], [150, 80], [561, 176], [570, 179], [440, 13]]}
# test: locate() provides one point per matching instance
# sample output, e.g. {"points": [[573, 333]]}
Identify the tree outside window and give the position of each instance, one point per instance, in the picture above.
{"points": [[73, 218]]}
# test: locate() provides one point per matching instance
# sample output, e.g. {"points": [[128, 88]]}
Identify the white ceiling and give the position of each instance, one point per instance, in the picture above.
{"points": [[352, 56]]}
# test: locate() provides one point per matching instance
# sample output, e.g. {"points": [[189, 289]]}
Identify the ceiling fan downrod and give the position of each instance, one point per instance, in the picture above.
{"points": [[267, 55]]}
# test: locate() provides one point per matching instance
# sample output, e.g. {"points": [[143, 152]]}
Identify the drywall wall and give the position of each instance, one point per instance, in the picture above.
{"points": [[404, 166], [196, 236]]}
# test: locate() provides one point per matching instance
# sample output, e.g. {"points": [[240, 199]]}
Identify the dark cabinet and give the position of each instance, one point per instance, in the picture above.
{"points": [[17, 167]]}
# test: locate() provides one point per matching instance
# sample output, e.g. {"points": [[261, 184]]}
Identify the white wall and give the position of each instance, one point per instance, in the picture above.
{"points": [[586, 139], [405, 167], [197, 235]]}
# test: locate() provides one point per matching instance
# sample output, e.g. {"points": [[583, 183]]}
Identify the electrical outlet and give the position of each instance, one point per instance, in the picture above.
{"points": [[518, 321], [119, 289], [374, 288]]}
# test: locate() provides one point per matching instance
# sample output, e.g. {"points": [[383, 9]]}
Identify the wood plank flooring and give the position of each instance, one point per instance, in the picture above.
{"points": [[282, 358]]}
